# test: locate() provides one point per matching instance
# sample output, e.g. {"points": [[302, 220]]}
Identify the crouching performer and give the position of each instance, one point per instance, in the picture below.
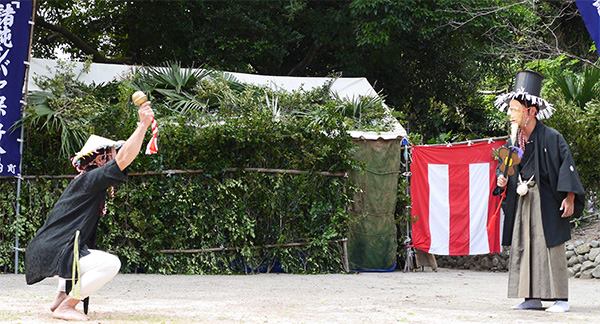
{"points": [[63, 245]]}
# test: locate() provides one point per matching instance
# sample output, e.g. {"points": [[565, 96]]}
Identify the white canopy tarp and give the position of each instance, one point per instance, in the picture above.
{"points": [[346, 88]]}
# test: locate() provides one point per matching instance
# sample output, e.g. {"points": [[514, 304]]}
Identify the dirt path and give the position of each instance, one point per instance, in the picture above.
{"points": [[421, 297]]}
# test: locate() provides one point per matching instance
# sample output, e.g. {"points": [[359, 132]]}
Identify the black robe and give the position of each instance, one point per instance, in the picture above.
{"points": [[555, 175], [50, 252]]}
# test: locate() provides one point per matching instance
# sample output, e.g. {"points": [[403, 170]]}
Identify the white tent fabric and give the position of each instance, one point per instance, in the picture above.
{"points": [[347, 88]]}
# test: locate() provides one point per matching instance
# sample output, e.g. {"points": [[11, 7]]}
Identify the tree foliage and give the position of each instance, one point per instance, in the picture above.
{"points": [[439, 64], [430, 58]]}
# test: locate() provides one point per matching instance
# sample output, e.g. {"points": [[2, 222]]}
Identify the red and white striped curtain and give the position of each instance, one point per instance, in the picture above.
{"points": [[452, 202]]}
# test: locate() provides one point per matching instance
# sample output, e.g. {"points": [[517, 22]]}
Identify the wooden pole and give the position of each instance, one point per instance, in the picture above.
{"points": [[221, 249], [343, 242], [489, 139], [345, 255], [172, 172]]}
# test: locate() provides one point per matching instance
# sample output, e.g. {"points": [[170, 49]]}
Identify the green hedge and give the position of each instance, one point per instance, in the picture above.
{"points": [[238, 127], [215, 208], [240, 210]]}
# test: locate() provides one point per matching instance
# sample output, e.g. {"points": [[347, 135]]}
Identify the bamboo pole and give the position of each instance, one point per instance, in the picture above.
{"points": [[172, 172], [221, 249], [343, 242], [489, 139]]}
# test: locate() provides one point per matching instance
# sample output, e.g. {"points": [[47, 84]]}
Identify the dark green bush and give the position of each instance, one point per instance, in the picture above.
{"points": [[216, 208]]}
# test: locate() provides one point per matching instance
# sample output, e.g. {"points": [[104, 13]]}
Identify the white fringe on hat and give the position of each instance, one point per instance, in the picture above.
{"points": [[545, 110]]}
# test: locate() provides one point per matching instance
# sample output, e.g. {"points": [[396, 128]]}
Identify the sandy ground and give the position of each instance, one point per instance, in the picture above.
{"points": [[421, 297]]}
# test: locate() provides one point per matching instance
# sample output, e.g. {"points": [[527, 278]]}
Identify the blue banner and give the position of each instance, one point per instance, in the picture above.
{"points": [[590, 11], [14, 51]]}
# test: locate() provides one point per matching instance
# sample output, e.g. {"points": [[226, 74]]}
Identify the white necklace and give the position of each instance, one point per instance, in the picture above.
{"points": [[523, 187]]}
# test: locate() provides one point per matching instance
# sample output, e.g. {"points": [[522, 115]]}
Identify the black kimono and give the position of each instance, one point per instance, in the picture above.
{"points": [[555, 174], [50, 252]]}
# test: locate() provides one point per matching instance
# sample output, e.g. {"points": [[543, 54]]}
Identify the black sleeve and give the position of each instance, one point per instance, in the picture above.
{"points": [[105, 176], [568, 178]]}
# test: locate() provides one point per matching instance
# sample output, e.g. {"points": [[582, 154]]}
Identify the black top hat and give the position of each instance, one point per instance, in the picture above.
{"points": [[528, 85]]}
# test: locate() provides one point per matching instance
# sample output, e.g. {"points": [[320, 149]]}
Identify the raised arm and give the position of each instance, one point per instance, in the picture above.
{"points": [[131, 147]]}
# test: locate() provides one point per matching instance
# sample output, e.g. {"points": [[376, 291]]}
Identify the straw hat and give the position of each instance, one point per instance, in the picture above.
{"points": [[93, 146]]}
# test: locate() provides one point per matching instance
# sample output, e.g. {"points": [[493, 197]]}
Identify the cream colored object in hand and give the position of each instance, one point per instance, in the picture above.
{"points": [[139, 98]]}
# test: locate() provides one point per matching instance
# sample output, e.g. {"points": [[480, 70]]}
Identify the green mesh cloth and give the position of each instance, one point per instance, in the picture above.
{"points": [[372, 238]]}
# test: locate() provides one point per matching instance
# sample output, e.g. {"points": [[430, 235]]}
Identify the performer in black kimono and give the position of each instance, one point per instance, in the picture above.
{"points": [[61, 247], [542, 195]]}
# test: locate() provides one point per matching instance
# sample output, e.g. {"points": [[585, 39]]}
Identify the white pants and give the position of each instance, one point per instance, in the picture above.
{"points": [[97, 269]]}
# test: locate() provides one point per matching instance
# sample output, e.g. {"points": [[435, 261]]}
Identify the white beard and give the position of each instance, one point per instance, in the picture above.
{"points": [[514, 128]]}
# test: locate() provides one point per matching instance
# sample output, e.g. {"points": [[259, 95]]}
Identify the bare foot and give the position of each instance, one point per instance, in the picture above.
{"points": [[66, 310], [59, 299]]}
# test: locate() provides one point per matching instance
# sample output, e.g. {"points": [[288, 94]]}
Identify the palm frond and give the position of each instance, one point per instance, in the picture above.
{"points": [[355, 107], [72, 139], [173, 84], [272, 104], [171, 76], [42, 118], [580, 88], [232, 81], [181, 102], [566, 85], [589, 85]]}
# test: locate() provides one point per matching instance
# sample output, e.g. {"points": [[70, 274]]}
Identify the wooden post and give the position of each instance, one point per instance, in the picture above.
{"points": [[345, 254]]}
